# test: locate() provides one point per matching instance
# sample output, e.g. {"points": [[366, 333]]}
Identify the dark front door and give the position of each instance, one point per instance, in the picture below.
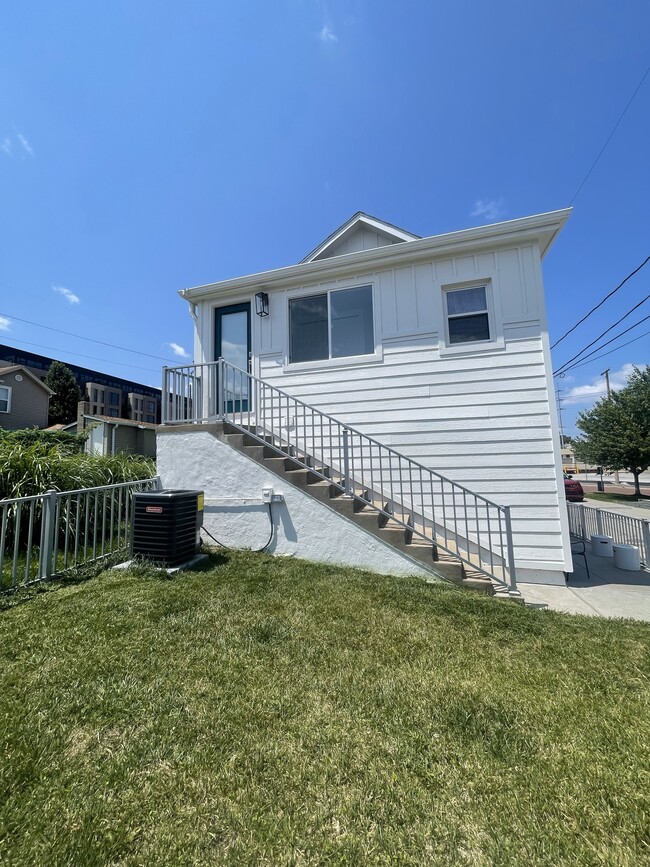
{"points": [[233, 343]]}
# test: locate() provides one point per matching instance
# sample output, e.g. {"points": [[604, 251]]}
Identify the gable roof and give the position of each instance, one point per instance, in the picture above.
{"points": [[393, 233], [18, 368]]}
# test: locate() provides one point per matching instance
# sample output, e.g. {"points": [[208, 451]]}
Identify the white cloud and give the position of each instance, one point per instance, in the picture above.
{"points": [[490, 209], [25, 144], [327, 35], [6, 146], [67, 294], [597, 388], [178, 350], [5, 324]]}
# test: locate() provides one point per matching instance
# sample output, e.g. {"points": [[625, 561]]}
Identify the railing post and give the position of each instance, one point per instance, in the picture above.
{"points": [[165, 397], [346, 463], [512, 576], [599, 522], [583, 522], [49, 532], [220, 390], [645, 532]]}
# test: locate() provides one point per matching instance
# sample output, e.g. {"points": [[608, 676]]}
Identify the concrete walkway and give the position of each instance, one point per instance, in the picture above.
{"points": [[609, 592], [633, 510]]}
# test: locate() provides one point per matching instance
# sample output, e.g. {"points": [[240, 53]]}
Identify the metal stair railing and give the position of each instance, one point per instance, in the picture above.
{"points": [[425, 503]]}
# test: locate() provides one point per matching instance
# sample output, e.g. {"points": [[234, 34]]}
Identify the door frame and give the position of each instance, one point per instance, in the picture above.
{"points": [[219, 312]]}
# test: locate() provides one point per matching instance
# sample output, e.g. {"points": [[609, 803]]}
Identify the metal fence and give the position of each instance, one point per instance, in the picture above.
{"points": [[585, 521], [49, 534]]}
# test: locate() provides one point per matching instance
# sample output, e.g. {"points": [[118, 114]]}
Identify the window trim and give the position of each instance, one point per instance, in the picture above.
{"points": [[9, 393], [448, 315], [495, 340], [339, 361]]}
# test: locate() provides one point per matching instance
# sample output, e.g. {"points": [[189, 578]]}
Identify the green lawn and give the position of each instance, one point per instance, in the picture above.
{"points": [[269, 711], [616, 498]]}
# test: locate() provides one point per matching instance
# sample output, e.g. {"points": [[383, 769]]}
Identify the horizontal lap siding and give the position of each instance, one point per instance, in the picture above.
{"points": [[481, 422], [480, 417]]}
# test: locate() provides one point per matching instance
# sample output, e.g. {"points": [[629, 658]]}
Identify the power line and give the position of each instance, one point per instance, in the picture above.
{"points": [[81, 355], [44, 297], [610, 136], [607, 330], [609, 351], [616, 336], [600, 303], [89, 339]]}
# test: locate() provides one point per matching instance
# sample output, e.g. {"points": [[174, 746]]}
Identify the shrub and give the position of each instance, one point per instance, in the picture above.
{"points": [[41, 466], [67, 442]]}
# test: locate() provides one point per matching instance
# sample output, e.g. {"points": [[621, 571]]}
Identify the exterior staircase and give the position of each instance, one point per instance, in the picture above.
{"points": [[440, 563], [453, 532]]}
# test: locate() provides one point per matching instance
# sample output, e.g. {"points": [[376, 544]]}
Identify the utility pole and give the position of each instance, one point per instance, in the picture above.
{"points": [[605, 373]]}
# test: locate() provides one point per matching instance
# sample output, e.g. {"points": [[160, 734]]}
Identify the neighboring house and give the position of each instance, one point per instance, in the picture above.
{"points": [[109, 435], [436, 347], [106, 394], [24, 399]]}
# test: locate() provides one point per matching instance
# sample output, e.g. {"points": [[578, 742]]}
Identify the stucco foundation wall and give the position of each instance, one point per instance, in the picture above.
{"points": [[234, 514]]}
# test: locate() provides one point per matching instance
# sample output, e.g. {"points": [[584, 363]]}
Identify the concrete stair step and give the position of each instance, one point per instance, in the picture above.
{"points": [[357, 508]]}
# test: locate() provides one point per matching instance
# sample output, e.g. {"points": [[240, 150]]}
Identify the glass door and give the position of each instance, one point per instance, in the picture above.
{"points": [[233, 343]]}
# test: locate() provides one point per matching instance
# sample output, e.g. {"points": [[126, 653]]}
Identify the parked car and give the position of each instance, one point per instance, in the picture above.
{"points": [[573, 490]]}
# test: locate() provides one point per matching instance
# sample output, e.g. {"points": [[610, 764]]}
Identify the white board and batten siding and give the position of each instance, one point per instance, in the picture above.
{"points": [[479, 414]]}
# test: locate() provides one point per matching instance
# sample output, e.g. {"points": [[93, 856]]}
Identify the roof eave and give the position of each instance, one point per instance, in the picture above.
{"points": [[541, 227]]}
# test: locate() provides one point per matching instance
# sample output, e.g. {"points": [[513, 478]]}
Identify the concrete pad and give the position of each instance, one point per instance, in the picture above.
{"points": [[605, 592], [198, 558], [557, 598]]}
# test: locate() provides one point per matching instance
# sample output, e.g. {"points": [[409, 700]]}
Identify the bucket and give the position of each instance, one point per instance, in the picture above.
{"points": [[602, 546], [627, 557]]}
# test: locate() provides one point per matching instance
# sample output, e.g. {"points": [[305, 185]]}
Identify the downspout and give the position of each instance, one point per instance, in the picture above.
{"points": [[194, 309]]}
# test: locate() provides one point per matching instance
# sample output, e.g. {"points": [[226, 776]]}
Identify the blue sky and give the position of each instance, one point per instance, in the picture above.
{"points": [[148, 146]]}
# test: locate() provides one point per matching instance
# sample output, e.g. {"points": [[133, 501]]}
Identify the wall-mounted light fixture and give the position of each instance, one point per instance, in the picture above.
{"points": [[262, 304]]}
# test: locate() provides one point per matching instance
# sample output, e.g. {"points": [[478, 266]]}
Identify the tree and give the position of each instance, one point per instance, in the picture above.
{"points": [[63, 403], [617, 429]]}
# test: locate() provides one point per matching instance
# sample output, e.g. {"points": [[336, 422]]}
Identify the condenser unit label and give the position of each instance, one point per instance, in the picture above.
{"points": [[156, 509]]}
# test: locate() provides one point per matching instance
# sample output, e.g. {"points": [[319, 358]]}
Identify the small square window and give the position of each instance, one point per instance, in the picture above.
{"points": [[114, 398], [467, 315]]}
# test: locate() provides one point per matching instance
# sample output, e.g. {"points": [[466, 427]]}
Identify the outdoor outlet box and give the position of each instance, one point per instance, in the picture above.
{"points": [[267, 495]]}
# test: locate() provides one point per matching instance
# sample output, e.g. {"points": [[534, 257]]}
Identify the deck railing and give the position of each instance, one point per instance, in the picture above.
{"points": [[426, 504], [586, 521], [47, 535]]}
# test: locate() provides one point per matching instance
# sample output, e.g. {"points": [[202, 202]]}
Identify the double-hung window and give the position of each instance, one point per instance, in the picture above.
{"points": [[5, 398], [468, 320], [333, 324]]}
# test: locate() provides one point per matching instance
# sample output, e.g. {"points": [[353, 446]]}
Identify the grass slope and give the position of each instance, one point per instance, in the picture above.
{"points": [[269, 711]]}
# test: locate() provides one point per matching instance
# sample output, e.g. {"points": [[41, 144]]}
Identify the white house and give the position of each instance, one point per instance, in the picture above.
{"points": [[425, 360]]}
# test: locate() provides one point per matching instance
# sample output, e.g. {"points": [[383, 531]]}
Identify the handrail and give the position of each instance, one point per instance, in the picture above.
{"points": [[427, 504]]}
